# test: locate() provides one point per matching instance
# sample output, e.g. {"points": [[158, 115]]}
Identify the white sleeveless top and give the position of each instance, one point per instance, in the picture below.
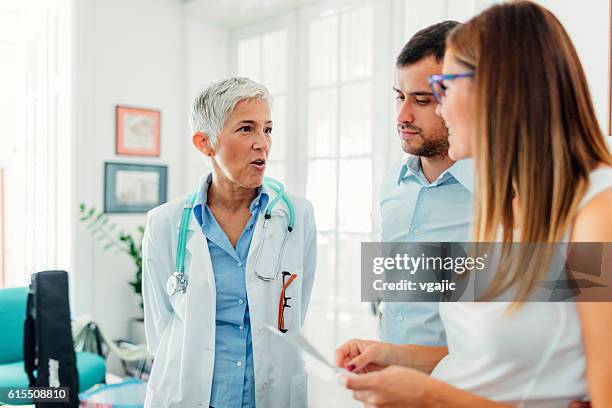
{"points": [[532, 357]]}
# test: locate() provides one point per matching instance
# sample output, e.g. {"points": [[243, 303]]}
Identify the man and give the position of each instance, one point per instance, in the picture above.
{"points": [[426, 197]]}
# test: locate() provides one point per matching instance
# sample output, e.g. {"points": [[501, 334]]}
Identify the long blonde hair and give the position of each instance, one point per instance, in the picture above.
{"points": [[537, 134]]}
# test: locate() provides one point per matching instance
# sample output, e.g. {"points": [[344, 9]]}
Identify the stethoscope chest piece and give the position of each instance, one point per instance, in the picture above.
{"points": [[177, 282]]}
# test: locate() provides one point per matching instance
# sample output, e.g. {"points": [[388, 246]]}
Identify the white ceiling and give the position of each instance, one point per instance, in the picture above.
{"points": [[234, 13]]}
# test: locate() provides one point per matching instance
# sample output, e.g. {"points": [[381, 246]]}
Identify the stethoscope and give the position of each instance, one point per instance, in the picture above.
{"points": [[177, 282]]}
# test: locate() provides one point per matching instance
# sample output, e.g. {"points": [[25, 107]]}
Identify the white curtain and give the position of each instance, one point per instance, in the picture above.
{"points": [[35, 129]]}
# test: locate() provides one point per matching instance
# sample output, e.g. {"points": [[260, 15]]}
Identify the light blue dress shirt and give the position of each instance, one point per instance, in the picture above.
{"points": [[233, 382], [414, 210]]}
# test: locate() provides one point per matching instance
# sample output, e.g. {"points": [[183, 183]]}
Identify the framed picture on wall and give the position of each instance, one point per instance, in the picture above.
{"points": [[137, 131], [133, 188]]}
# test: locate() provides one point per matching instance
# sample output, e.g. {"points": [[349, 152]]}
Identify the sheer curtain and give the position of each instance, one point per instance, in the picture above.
{"points": [[35, 154]]}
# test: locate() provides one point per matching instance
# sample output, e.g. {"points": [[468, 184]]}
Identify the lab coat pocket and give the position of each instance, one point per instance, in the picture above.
{"points": [[299, 391]]}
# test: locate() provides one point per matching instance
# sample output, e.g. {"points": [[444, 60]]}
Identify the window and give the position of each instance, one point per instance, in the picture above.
{"points": [[339, 166], [264, 58], [36, 148]]}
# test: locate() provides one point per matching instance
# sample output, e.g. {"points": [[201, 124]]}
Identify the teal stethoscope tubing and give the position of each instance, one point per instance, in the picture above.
{"points": [[182, 241], [273, 184], [279, 189]]}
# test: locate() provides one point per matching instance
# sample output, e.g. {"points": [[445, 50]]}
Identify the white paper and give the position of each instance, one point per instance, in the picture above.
{"points": [[303, 344]]}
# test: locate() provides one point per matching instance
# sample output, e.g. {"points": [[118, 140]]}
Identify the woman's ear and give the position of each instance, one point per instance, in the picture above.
{"points": [[202, 143]]}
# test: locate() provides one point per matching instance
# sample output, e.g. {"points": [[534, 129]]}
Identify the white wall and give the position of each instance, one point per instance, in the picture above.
{"points": [[206, 59], [130, 53], [145, 53]]}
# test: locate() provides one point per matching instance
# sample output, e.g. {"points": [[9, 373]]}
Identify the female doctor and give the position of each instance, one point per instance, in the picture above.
{"points": [[225, 262]]}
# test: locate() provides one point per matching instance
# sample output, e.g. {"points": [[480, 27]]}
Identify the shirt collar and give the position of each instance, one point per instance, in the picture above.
{"points": [[462, 171], [260, 201], [412, 167]]}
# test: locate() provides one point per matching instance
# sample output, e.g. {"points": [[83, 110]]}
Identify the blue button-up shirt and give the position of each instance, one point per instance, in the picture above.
{"points": [[414, 210], [233, 382]]}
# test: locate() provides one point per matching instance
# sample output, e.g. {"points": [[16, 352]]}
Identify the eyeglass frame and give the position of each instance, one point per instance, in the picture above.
{"points": [[284, 301], [432, 80]]}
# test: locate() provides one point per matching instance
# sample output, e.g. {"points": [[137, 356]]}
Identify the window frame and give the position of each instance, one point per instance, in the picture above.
{"points": [[286, 22]]}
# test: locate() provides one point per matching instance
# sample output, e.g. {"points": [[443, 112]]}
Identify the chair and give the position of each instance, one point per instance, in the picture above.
{"points": [[91, 367]]}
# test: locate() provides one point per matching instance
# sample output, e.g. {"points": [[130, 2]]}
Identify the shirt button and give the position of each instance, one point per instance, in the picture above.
{"points": [[400, 318], [240, 301], [239, 263], [241, 327], [416, 230], [239, 364]]}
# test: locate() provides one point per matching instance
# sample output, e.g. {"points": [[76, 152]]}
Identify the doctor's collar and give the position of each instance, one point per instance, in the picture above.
{"points": [[260, 200]]}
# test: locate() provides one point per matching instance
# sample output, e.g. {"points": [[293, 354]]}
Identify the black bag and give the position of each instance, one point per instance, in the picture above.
{"points": [[47, 344]]}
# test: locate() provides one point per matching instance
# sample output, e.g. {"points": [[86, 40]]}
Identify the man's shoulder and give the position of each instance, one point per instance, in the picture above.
{"points": [[392, 174]]}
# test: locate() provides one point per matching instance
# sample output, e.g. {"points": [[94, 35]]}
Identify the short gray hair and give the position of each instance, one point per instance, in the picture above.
{"points": [[213, 105]]}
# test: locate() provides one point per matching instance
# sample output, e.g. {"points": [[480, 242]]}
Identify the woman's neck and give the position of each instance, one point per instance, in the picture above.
{"points": [[224, 194]]}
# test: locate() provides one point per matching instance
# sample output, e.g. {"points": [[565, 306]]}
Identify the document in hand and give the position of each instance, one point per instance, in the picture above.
{"points": [[298, 340]]}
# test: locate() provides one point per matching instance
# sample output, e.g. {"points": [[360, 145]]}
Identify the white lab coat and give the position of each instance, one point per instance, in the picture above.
{"points": [[180, 329]]}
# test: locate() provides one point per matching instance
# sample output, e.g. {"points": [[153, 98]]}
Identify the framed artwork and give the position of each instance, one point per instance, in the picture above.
{"points": [[133, 188], [137, 131]]}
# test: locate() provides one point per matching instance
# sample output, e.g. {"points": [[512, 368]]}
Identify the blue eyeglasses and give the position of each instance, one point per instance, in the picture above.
{"points": [[436, 82]]}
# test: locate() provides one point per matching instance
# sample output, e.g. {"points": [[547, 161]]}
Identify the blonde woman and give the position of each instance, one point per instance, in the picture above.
{"points": [[514, 96]]}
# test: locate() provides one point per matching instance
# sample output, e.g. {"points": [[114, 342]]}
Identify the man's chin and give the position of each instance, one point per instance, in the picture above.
{"points": [[424, 148], [412, 148]]}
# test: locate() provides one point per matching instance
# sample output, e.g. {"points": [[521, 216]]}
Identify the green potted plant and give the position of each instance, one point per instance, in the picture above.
{"points": [[105, 232]]}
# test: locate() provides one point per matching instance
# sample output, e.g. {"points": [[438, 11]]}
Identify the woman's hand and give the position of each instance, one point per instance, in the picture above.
{"points": [[391, 387], [402, 387], [364, 356]]}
